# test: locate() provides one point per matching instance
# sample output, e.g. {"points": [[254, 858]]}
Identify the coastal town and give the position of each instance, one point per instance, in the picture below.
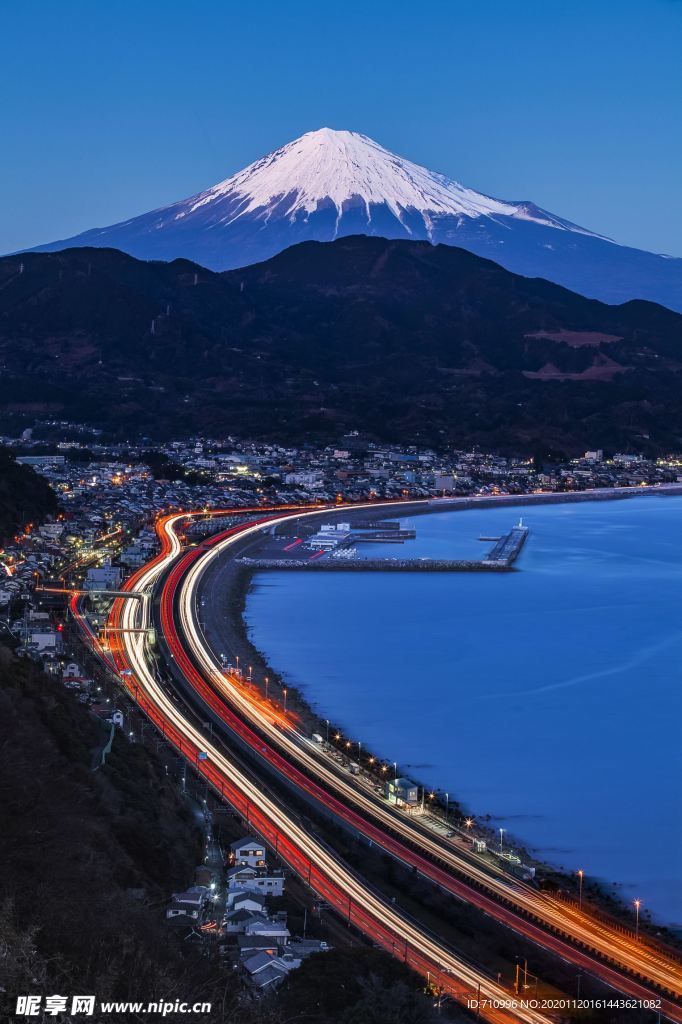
{"points": [[243, 907], [340, 492], [110, 493]]}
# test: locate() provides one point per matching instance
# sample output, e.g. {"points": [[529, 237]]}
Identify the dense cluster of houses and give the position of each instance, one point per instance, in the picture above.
{"points": [[109, 496], [253, 936], [355, 468]]}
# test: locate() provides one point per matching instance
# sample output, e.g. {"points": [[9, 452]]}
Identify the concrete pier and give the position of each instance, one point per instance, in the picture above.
{"points": [[375, 564], [508, 548], [500, 558]]}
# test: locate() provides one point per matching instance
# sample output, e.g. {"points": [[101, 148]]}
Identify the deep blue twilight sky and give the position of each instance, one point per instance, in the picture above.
{"points": [[109, 109]]}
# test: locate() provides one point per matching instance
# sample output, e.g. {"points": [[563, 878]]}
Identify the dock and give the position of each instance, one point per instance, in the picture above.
{"points": [[508, 548], [375, 564], [500, 558], [382, 536]]}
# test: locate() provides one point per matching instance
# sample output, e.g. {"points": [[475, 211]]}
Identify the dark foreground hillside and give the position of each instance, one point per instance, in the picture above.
{"points": [[88, 859], [76, 844], [403, 340], [24, 496]]}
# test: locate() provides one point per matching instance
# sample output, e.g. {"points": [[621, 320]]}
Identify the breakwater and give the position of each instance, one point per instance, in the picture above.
{"points": [[500, 558], [508, 548], [356, 646], [376, 564]]}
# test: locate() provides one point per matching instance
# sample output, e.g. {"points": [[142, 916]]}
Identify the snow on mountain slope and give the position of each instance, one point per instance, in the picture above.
{"points": [[340, 167], [328, 184]]}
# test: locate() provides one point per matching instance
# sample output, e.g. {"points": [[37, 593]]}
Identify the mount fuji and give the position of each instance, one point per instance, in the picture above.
{"points": [[328, 184]]}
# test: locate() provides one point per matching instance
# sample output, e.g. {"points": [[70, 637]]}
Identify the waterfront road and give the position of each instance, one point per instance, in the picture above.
{"points": [[641, 960], [330, 878], [327, 875]]}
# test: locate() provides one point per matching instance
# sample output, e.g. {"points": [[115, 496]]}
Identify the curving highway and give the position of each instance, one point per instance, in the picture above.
{"points": [[639, 959], [272, 735], [304, 853]]}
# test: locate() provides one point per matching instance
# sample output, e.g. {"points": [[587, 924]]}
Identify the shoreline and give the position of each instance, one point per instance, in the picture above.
{"points": [[240, 579]]}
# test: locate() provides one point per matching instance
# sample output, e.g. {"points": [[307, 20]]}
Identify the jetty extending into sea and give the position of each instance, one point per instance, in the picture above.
{"points": [[500, 558]]}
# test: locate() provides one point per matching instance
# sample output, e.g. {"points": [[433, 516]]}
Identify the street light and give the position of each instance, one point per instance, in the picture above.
{"points": [[284, 691], [469, 822], [581, 874], [637, 904], [327, 721], [502, 831], [267, 683], [395, 769], [447, 802]]}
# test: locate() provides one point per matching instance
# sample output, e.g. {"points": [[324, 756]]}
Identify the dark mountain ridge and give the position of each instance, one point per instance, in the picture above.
{"points": [[331, 184], [404, 340]]}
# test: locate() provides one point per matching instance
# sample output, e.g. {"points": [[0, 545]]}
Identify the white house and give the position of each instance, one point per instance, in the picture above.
{"points": [[402, 792], [103, 577], [272, 929], [248, 851], [244, 899], [187, 905], [108, 714], [44, 639], [242, 876], [266, 972], [236, 921], [268, 885]]}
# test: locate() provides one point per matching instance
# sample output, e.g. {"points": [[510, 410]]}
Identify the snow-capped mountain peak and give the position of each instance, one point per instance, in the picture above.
{"points": [[328, 184], [345, 168]]}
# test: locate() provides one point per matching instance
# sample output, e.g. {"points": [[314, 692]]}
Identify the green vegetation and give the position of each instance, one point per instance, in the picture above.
{"points": [[88, 860], [402, 340], [87, 857], [163, 468], [24, 496], [355, 987]]}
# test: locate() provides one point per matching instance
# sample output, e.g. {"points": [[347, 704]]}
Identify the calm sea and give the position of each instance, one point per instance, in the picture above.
{"points": [[548, 698]]}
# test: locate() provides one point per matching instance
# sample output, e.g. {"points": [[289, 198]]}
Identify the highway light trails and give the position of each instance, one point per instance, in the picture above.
{"points": [[315, 863], [326, 875], [640, 959]]}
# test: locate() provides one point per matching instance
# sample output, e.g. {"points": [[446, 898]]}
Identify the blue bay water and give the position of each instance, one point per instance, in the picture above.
{"points": [[549, 698]]}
